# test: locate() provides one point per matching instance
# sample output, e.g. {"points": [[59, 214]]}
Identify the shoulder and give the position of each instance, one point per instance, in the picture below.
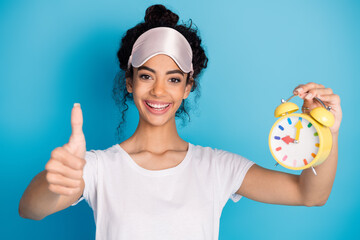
{"points": [[216, 153], [95, 155], [209, 149], [203, 151]]}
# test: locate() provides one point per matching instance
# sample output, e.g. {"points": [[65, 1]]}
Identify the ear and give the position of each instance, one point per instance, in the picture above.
{"points": [[188, 88], [129, 85]]}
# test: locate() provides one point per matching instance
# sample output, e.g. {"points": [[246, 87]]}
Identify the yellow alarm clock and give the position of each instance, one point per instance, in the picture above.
{"points": [[299, 140]]}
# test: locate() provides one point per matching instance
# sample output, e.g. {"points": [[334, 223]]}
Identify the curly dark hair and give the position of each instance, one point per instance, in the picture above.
{"points": [[156, 16]]}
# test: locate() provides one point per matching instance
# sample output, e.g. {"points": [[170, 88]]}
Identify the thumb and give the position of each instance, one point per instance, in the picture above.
{"points": [[76, 120], [76, 144]]}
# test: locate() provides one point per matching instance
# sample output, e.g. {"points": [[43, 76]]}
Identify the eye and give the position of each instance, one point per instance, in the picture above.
{"points": [[145, 76], [174, 80]]}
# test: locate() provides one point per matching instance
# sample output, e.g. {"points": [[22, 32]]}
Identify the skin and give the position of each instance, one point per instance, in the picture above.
{"points": [[156, 145], [154, 142], [156, 138], [306, 189]]}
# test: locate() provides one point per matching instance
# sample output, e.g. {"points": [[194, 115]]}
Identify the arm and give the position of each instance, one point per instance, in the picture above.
{"points": [[38, 201], [61, 183], [316, 189], [275, 187]]}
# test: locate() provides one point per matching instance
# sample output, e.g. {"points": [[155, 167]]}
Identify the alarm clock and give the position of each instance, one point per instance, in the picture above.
{"points": [[299, 140]]}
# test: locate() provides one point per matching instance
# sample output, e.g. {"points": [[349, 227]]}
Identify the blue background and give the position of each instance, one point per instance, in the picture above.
{"points": [[55, 53]]}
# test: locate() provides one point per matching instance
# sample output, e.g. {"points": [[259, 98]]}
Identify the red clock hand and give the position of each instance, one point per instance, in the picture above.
{"points": [[288, 139]]}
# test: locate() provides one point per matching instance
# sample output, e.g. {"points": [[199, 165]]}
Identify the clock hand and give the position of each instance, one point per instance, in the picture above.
{"points": [[288, 139], [298, 127]]}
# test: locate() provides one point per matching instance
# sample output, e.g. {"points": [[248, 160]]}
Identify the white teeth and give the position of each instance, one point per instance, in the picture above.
{"points": [[158, 106]]}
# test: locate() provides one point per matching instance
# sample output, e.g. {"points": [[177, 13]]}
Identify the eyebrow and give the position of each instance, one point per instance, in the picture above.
{"points": [[153, 71]]}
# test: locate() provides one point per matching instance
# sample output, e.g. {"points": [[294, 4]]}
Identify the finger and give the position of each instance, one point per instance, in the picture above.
{"points": [[55, 166], [304, 88], [76, 120], [68, 159], [312, 85], [305, 109], [331, 99], [63, 190], [58, 179], [298, 89], [316, 92]]}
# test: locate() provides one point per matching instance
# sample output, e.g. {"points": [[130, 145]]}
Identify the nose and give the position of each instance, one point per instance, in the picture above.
{"points": [[158, 88]]}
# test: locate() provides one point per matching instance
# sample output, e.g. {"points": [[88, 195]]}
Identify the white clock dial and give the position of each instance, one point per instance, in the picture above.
{"points": [[294, 141]]}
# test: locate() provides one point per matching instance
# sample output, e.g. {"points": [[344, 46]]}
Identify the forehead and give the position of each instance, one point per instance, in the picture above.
{"points": [[161, 61]]}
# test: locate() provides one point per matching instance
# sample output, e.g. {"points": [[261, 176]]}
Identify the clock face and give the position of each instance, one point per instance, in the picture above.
{"points": [[294, 141]]}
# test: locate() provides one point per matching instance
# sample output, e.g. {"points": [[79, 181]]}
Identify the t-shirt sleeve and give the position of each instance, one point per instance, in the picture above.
{"points": [[231, 171], [90, 179]]}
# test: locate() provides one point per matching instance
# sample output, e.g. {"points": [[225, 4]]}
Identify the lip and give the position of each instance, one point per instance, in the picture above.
{"points": [[156, 112]]}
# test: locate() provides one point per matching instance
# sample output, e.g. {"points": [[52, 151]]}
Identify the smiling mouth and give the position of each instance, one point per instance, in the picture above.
{"points": [[156, 106]]}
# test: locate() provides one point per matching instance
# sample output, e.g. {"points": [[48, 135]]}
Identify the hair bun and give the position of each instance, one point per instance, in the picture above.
{"points": [[159, 15]]}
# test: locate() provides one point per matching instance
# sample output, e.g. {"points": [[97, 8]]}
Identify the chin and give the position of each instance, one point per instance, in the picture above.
{"points": [[158, 121]]}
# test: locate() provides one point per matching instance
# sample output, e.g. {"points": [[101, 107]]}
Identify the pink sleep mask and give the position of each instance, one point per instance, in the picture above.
{"points": [[162, 40]]}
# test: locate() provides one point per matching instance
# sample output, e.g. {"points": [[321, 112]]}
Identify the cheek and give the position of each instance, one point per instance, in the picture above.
{"points": [[178, 101], [139, 90], [178, 94], [137, 97]]}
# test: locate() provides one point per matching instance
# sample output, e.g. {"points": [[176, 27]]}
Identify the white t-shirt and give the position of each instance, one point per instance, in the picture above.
{"points": [[183, 202]]}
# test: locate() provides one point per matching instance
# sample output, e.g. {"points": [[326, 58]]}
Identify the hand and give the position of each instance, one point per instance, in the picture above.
{"points": [[65, 167], [310, 90]]}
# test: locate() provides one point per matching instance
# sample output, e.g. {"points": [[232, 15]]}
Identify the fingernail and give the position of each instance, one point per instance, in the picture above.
{"points": [[76, 104], [309, 96], [298, 90]]}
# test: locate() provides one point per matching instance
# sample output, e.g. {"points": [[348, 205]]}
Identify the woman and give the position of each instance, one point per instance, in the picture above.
{"points": [[155, 185]]}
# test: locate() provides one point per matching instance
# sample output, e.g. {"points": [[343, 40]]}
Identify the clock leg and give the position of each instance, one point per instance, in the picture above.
{"points": [[314, 171]]}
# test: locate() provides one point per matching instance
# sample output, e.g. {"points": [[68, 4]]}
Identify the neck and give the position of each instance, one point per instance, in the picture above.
{"points": [[155, 139]]}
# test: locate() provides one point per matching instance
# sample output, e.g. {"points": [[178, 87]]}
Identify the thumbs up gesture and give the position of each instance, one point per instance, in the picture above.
{"points": [[64, 170]]}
